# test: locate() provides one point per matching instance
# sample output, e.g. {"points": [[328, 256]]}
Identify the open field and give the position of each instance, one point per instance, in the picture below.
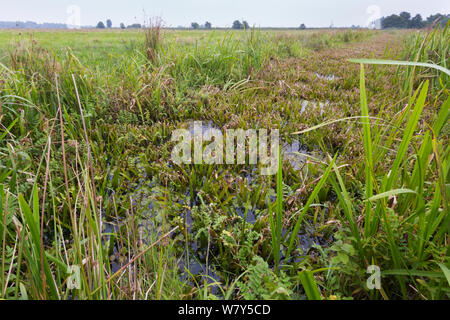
{"points": [[93, 207]]}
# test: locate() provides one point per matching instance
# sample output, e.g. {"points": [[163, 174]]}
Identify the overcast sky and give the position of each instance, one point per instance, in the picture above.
{"points": [[263, 13]]}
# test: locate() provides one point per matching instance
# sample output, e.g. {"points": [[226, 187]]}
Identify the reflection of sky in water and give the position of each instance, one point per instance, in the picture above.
{"points": [[330, 77], [199, 128], [250, 214], [292, 153], [306, 240], [198, 269], [144, 200], [313, 105]]}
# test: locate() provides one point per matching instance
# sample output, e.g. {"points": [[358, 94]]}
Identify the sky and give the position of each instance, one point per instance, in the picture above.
{"points": [[221, 13]]}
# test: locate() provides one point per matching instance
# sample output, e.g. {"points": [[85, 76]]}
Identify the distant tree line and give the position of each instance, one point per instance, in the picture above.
{"points": [[101, 25], [236, 25], [134, 26], [405, 21], [31, 25], [207, 25], [240, 25]]}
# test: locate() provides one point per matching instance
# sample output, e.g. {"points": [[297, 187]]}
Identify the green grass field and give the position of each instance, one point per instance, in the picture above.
{"points": [[93, 207]]}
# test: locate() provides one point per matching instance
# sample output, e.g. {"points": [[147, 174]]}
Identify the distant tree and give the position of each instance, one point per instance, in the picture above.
{"points": [[237, 25], [208, 25], [394, 21], [404, 20], [416, 22], [439, 18], [195, 25], [245, 25], [405, 15], [302, 26], [122, 26], [134, 26], [100, 25], [109, 23]]}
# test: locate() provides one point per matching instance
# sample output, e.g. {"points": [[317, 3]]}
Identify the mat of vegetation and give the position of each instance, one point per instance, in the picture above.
{"points": [[92, 207]]}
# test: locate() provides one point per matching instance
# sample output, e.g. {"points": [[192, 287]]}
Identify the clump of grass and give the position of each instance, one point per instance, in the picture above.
{"points": [[428, 47], [223, 62], [412, 188], [33, 59], [153, 38]]}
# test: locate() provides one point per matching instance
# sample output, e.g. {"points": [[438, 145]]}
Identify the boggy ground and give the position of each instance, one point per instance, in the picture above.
{"points": [[106, 208], [291, 94]]}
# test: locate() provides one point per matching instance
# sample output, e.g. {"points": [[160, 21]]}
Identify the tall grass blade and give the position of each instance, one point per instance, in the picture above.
{"points": [[401, 63], [310, 285]]}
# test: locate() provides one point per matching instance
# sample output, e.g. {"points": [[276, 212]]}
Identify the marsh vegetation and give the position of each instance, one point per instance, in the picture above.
{"points": [[89, 194]]}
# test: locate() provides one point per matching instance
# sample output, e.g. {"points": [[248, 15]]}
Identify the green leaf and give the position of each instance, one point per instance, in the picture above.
{"points": [[310, 285], [390, 193], [417, 273], [29, 220], [401, 63], [7, 129], [446, 272], [367, 140]]}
